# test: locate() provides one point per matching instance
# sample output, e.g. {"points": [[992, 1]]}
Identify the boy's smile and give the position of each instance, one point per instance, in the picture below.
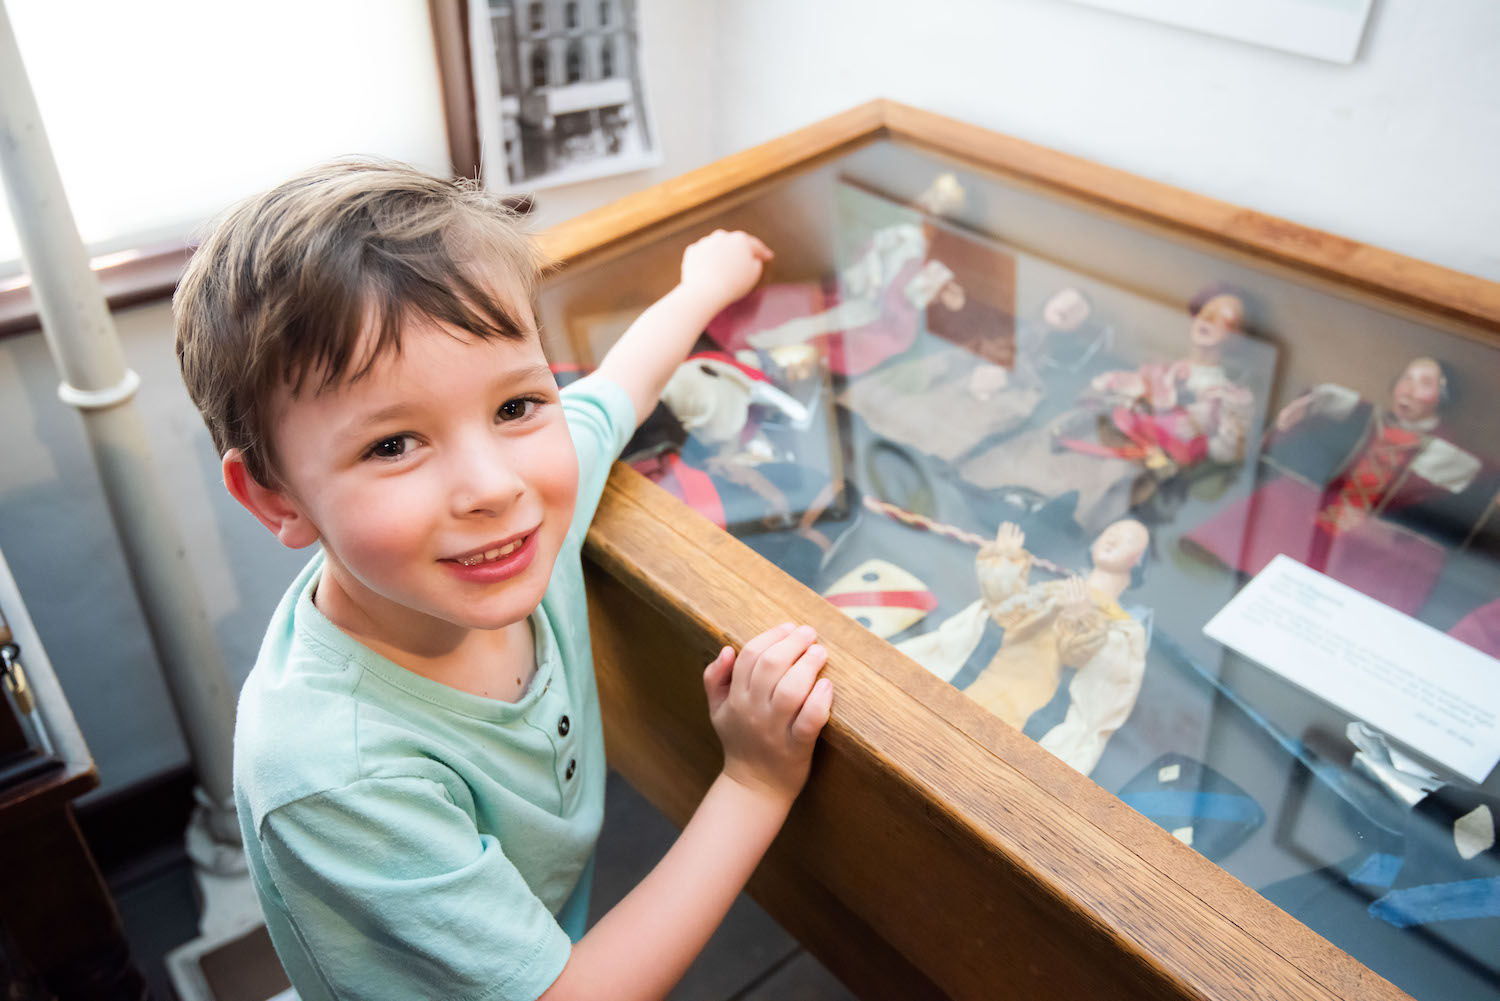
{"points": [[441, 484]]}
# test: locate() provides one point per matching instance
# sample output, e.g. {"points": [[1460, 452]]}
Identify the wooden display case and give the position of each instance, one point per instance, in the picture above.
{"points": [[936, 850]]}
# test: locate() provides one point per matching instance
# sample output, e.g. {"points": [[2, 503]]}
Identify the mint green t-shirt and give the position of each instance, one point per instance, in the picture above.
{"points": [[408, 840]]}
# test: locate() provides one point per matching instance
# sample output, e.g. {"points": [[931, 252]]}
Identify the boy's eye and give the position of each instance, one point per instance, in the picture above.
{"points": [[518, 409], [393, 447]]}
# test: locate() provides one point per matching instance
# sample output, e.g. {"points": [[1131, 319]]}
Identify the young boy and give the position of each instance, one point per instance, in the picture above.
{"points": [[419, 765]]}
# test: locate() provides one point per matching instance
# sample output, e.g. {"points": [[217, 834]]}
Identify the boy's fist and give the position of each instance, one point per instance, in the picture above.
{"points": [[768, 706], [724, 266]]}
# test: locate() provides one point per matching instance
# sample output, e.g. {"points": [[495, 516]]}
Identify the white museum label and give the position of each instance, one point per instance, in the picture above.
{"points": [[1420, 686]]}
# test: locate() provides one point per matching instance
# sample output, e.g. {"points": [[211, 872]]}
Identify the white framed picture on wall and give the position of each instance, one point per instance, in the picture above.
{"points": [[559, 95], [1322, 29]]}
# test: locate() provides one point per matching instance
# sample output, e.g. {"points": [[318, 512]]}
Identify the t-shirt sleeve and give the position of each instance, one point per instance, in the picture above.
{"points": [[395, 894], [601, 420]]}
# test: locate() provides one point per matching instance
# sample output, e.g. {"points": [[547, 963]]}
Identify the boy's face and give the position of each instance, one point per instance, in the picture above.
{"points": [[441, 485]]}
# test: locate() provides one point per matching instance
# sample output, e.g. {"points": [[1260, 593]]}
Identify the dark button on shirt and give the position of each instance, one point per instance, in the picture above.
{"points": [[572, 767], [563, 726]]}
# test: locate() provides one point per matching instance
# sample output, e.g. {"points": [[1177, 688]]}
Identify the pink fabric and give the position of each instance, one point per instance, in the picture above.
{"points": [[849, 352], [859, 349], [1480, 629], [766, 307], [692, 486], [1390, 565]]}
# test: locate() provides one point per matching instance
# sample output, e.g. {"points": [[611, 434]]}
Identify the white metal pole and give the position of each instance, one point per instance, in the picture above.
{"points": [[95, 380]]}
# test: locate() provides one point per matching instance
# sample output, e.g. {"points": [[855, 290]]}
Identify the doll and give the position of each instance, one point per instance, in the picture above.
{"points": [[881, 302], [1135, 429], [1366, 492], [950, 399], [1076, 622]]}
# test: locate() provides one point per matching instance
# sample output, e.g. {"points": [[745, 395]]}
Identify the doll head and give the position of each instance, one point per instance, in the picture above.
{"points": [[1121, 549], [1066, 310], [1420, 391], [1218, 312]]}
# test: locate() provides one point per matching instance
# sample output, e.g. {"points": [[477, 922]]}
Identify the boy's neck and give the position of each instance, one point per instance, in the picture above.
{"points": [[491, 663]]}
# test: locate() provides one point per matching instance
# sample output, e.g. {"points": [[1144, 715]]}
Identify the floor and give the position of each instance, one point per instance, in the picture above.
{"points": [[750, 958]]}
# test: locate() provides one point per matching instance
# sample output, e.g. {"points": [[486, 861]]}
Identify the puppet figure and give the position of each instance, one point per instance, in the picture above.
{"points": [[882, 299], [1134, 429], [950, 399], [1367, 495], [1077, 623]]}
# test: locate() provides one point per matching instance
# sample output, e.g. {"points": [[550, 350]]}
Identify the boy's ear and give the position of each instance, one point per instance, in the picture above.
{"points": [[275, 509]]}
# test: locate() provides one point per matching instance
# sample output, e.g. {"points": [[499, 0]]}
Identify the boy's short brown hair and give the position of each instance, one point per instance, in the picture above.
{"points": [[289, 284]]}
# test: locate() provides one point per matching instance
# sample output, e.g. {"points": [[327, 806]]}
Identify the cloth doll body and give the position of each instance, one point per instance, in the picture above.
{"points": [[1044, 634], [1174, 412], [959, 394], [877, 311], [1049, 626], [1133, 428], [1364, 496], [939, 402]]}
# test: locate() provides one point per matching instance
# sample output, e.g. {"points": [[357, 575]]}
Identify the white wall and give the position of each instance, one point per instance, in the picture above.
{"points": [[1400, 150]]}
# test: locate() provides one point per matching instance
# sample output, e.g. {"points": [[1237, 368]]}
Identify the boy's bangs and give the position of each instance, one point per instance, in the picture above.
{"points": [[394, 288]]}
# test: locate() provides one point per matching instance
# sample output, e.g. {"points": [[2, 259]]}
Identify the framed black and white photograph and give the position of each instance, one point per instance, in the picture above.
{"points": [[558, 91]]}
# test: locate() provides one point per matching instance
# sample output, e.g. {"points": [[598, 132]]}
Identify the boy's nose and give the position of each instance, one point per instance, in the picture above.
{"points": [[484, 481]]}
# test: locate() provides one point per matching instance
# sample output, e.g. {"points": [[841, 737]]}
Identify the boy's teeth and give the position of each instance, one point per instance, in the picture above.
{"points": [[491, 554]]}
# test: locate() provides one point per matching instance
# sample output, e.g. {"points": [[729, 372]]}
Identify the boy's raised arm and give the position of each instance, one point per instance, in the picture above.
{"points": [[716, 271], [767, 706]]}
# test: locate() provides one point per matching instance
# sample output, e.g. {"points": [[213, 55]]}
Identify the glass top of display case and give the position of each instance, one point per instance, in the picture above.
{"points": [[1220, 535]]}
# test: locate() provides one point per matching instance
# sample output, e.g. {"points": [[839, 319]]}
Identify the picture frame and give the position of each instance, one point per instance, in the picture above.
{"points": [[543, 93]]}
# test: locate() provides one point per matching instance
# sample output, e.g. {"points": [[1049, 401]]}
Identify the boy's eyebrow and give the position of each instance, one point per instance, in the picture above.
{"points": [[357, 426]]}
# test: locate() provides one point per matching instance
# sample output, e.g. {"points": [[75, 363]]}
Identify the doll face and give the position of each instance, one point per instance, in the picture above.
{"points": [[1066, 310], [1418, 392], [1219, 317], [1119, 547]]}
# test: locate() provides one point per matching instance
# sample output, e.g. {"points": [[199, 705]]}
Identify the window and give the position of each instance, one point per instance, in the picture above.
{"points": [[99, 97], [570, 14], [537, 17], [606, 60], [575, 63], [539, 67], [603, 12]]}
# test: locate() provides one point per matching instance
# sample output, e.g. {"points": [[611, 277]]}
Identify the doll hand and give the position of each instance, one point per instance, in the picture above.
{"points": [[1010, 539], [767, 706], [1350, 518], [1075, 596], [724, 266], [987, 380], [1293, 413]]}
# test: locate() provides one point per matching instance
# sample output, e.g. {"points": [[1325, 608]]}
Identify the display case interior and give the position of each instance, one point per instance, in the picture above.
{"points": [[1068, 459]]}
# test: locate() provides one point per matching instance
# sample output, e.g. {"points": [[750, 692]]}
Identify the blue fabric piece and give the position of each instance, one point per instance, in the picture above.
{"points": [[1198, 805], [1421, 905], [1379, 869]]}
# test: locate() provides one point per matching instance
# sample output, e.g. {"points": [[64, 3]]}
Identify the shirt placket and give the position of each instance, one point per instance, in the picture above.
{"points": [[553, 715]]}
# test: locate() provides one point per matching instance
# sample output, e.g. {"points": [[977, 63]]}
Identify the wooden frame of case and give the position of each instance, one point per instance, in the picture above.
{"points": [[936, 851]]}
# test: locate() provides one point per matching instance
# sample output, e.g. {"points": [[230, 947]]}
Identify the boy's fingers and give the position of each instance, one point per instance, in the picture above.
{"points": [[776, 661], [759, 249], [796, 684], [814, 714], [716, 677], [754, 652]]}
